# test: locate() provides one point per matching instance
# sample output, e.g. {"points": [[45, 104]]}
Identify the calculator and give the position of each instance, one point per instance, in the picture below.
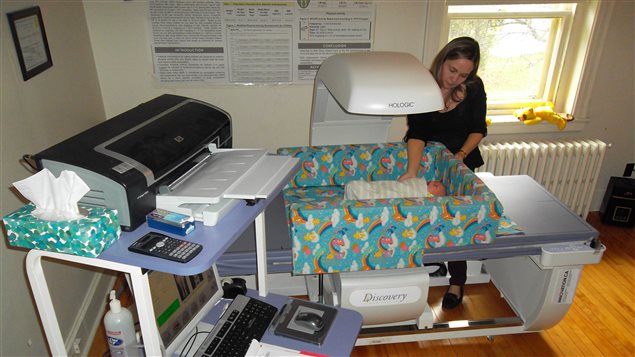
{"points": [[162, 246]]}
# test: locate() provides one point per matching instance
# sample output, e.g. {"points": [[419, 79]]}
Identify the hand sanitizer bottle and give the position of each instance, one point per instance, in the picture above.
{"points": [[120, 331]]}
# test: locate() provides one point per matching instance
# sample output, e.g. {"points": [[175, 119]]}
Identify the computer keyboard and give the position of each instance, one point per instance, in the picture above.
{"points": [[245, 319]]}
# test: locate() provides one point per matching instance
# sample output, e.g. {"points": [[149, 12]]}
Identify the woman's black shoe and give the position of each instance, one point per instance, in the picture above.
{"points": [[441, 270], [450, 301]]}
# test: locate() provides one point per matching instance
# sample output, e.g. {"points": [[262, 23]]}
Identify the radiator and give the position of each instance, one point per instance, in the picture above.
{"points": [[568, 168]]}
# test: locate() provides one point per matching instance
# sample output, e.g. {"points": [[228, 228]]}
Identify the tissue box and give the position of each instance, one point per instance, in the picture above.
{"points": [[86, 237]]}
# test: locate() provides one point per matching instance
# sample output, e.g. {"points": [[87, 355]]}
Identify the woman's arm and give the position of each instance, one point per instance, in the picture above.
{"points": [[470, 144], [476, 123], [415, 151], [477, 104]]}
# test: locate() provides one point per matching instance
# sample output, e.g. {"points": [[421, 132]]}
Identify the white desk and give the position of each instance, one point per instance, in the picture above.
{"points": [[215, 240]]}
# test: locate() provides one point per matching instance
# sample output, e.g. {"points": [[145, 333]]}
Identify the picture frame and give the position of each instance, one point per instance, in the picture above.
{"points": [[29, 38]]}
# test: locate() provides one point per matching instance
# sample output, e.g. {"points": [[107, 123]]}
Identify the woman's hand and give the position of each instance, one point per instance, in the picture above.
{"points": [[415, 151], [406, 176]]}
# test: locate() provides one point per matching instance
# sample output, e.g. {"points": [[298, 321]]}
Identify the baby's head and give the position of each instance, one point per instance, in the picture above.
{"points": [[436, 188]]}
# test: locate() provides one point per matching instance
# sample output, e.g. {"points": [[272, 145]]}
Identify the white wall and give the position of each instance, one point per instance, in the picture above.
{"points": [[34, 115], [278, 115], [267, 116], [68, 97]]}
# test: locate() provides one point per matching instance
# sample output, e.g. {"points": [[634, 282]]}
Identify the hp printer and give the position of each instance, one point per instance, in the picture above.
{"points": [[129, 158]]}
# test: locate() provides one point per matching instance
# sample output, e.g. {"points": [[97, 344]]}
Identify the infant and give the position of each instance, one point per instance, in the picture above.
{"points": [[415, 187], [436, 188]]}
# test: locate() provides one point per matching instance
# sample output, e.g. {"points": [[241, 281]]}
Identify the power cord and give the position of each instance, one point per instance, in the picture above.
{"points": [[190, 342], [29, 163]]}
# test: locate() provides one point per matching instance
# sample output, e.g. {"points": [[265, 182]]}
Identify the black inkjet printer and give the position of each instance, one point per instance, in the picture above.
{"points": [[126, 159]]}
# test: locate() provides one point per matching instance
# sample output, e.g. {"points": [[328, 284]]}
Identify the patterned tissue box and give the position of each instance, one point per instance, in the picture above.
{"points": [[86, 237]]}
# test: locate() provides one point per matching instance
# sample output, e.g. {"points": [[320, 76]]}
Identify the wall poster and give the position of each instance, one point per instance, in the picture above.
{"points": [[254, 42]]}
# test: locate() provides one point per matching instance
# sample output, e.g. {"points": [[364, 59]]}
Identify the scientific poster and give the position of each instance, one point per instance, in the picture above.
{"points": [[254, 42]]}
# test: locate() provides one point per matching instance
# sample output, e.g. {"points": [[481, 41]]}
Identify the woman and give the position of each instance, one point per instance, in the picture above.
{"points": [[460, 126]]}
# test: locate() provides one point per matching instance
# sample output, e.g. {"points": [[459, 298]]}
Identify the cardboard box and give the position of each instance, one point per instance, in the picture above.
{"points": [[86, 237]]}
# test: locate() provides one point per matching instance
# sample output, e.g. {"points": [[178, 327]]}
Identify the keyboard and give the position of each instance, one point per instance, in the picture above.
{"points": [[245, 319]]}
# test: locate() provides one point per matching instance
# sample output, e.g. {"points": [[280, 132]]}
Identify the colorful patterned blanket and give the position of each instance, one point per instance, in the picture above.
{"points": [[332, 234]]}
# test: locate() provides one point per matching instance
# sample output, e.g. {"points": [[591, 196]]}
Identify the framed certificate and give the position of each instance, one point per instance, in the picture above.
{"points": [[30, 41]]}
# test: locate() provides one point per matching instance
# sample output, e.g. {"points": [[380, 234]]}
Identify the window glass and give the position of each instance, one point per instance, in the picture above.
{"points": [[514, 55], [519, 45]]}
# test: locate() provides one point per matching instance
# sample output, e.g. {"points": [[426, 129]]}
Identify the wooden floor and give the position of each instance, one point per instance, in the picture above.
{"points": [[601, 321]]}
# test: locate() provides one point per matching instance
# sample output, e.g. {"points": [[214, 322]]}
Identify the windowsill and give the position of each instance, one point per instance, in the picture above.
{"points": [[509, 124]]}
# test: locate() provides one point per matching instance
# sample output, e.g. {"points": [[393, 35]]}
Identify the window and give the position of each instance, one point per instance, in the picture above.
{"points": [[520, 43], [529, 53]]}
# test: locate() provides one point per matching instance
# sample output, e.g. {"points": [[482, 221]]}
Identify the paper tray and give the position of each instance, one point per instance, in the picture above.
{"points": [[209, 191]]}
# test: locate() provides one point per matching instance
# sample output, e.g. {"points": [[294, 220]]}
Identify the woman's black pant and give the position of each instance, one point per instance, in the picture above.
{"points": [[458, 272]]}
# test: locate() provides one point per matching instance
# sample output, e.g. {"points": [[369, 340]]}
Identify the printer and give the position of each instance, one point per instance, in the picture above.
{"points": [[128, 159]]}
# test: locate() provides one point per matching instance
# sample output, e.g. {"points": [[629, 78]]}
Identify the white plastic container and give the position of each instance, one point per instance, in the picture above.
{"points": [[120, 331]]}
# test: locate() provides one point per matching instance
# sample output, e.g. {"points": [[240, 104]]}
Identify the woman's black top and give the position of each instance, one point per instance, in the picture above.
{"points": [[452, 128]]}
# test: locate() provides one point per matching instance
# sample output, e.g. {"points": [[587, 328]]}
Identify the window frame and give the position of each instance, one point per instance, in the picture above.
{"points": [[551, 70], [589, 20]]}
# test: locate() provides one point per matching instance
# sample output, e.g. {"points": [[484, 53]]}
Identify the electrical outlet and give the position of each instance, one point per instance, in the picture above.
{"points": [[76, 345]]}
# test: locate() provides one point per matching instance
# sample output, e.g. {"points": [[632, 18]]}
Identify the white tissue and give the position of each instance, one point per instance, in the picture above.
{"points": [[55, 199]]}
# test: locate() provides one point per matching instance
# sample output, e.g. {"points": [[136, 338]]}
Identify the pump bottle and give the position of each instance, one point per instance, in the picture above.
{"points": [[120, 331]]}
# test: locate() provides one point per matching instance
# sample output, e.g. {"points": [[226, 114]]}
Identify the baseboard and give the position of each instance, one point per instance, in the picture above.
{"points": [[90, 314]]}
